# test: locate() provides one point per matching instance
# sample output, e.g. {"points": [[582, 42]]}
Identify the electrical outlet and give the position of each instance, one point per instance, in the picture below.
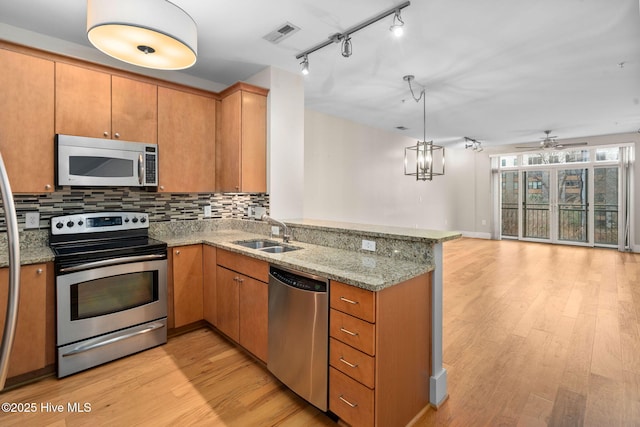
{"points": [[207, 211], [32, 220], [484, 222], [275, 230], [369, 245]]}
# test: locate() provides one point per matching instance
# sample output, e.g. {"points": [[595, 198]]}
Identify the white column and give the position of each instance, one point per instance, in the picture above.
{"points": [[438, 380]]}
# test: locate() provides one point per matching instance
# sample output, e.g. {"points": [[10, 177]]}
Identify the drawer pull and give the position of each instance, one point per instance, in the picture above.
{"points": [[346, 331], [353, 405], [349, 300], [351, 365]]}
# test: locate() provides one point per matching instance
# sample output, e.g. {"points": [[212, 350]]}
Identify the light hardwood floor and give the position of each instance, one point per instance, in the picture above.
{"points": [[534, 335]]}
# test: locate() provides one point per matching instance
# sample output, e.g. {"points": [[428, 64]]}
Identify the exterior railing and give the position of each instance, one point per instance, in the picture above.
{"points": [[536, 220], [572, 222], [606, 224]]}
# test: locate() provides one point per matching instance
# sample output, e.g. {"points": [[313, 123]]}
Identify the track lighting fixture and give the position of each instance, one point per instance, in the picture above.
{"points": [[473, 144], [398, 24], [346, 47], [305, 65], [345, 37]]}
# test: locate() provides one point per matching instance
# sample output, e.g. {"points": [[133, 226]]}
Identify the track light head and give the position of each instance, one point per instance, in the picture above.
{"points": [[305, 65], [398, 24], [347, 50]]}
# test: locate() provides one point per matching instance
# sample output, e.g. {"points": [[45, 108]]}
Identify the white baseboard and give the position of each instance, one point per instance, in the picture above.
{"points": [[476, 234]]}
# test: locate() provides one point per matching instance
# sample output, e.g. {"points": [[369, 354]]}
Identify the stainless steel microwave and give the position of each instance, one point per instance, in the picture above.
{"points": [[84, 161]]}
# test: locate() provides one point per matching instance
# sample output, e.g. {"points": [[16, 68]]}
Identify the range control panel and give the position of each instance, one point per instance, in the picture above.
{"points": [[98, 221]]}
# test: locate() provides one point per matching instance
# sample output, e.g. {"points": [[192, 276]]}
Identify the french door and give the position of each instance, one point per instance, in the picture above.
{"points": [[569, 205]]}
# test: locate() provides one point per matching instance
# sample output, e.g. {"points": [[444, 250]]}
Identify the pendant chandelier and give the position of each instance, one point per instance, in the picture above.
{"points": [[424, 160], [148, 33]]}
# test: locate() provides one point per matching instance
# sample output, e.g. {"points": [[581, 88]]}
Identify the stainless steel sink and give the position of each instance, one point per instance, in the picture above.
{"points": [[266, 246], [257, 244], [278, 249]]}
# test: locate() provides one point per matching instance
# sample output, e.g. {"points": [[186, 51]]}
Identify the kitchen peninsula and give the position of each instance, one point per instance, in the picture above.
{"points": [[403, 259], [402, 276]]}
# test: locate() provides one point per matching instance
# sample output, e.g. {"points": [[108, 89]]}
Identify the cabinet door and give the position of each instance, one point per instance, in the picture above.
{"points": [[29, 352], [134, 114], [254, 305], [227, 301], [228, 143], [254, 143], [241, 159], [209, 284], [186, 142], [187, 284], [83, 101], [26, 121]]}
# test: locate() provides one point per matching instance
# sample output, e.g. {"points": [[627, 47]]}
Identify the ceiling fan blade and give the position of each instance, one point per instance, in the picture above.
{"points": [[573, 144]]}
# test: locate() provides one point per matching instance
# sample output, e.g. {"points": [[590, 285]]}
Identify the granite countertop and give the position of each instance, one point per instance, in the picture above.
{"points": [[371, 272], [371, 230]]}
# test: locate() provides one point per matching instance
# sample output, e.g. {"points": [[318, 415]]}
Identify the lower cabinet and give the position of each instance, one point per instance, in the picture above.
{"points": [[379, 352], [34, 341], [242, 300], [186, 281]]}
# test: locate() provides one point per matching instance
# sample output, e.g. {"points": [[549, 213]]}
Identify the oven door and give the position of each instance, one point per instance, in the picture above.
{"points": [[94, 300]]}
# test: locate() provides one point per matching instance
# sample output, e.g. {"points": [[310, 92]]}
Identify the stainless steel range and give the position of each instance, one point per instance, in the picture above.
{"points": [[111, 288]]}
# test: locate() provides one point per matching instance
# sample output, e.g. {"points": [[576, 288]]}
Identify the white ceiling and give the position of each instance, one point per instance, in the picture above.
{"points": [[500, 71]]}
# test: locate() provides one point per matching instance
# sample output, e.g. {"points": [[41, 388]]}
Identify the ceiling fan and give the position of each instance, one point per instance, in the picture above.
{"points": [[549, 143]]}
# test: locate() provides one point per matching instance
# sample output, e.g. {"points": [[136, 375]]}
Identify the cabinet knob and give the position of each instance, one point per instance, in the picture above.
{"points": [[39, 271], [162, 187], [106, 133], [117, 135], [177, 252], [47, 187]]}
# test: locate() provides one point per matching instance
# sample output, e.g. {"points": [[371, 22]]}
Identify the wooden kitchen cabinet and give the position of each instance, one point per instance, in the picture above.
{"points": [[241, 157], [379, 352], [96, 104], [26, 121], [187, 284], [242, 301], [34, 335], [209, 284], [186, 141]]}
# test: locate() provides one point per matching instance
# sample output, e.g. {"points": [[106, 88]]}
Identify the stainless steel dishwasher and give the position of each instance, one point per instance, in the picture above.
{"points": [[299, 333]]}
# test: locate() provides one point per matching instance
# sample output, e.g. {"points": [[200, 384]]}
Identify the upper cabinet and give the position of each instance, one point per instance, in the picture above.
{"points": [[97, 104], [241, 156], [186, 141], [26, 121]]}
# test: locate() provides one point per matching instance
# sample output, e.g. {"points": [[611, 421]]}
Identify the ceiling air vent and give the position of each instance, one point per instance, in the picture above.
{"points": [[282, 32]]}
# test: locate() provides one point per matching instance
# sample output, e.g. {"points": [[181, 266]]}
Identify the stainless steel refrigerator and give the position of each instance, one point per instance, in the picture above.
{"points": [[13, 241]]}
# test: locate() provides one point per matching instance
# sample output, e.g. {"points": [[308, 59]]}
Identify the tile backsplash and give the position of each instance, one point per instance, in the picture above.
{"points": [[159, 206]]}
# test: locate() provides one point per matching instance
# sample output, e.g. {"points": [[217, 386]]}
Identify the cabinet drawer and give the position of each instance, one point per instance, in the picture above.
{"points": [[353, 331], [350, 400], [243, 264], [352, 362], [354, 301]]}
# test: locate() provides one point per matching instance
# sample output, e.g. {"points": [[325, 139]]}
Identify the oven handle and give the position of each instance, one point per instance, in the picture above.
{"points": [[107, 262], [93, 346]]}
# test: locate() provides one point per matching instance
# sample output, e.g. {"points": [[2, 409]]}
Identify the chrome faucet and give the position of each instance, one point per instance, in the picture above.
{"points": [[285, 230]]}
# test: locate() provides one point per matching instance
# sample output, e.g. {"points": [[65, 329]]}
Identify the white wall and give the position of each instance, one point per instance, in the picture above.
{"points": [[355, 173], [285, 141]]}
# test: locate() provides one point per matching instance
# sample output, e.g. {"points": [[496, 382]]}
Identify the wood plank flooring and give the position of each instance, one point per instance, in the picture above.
{"points": [[534, 335]]}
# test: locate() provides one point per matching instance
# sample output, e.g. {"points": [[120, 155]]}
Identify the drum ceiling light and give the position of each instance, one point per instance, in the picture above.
{"points": [[148, 33]]}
